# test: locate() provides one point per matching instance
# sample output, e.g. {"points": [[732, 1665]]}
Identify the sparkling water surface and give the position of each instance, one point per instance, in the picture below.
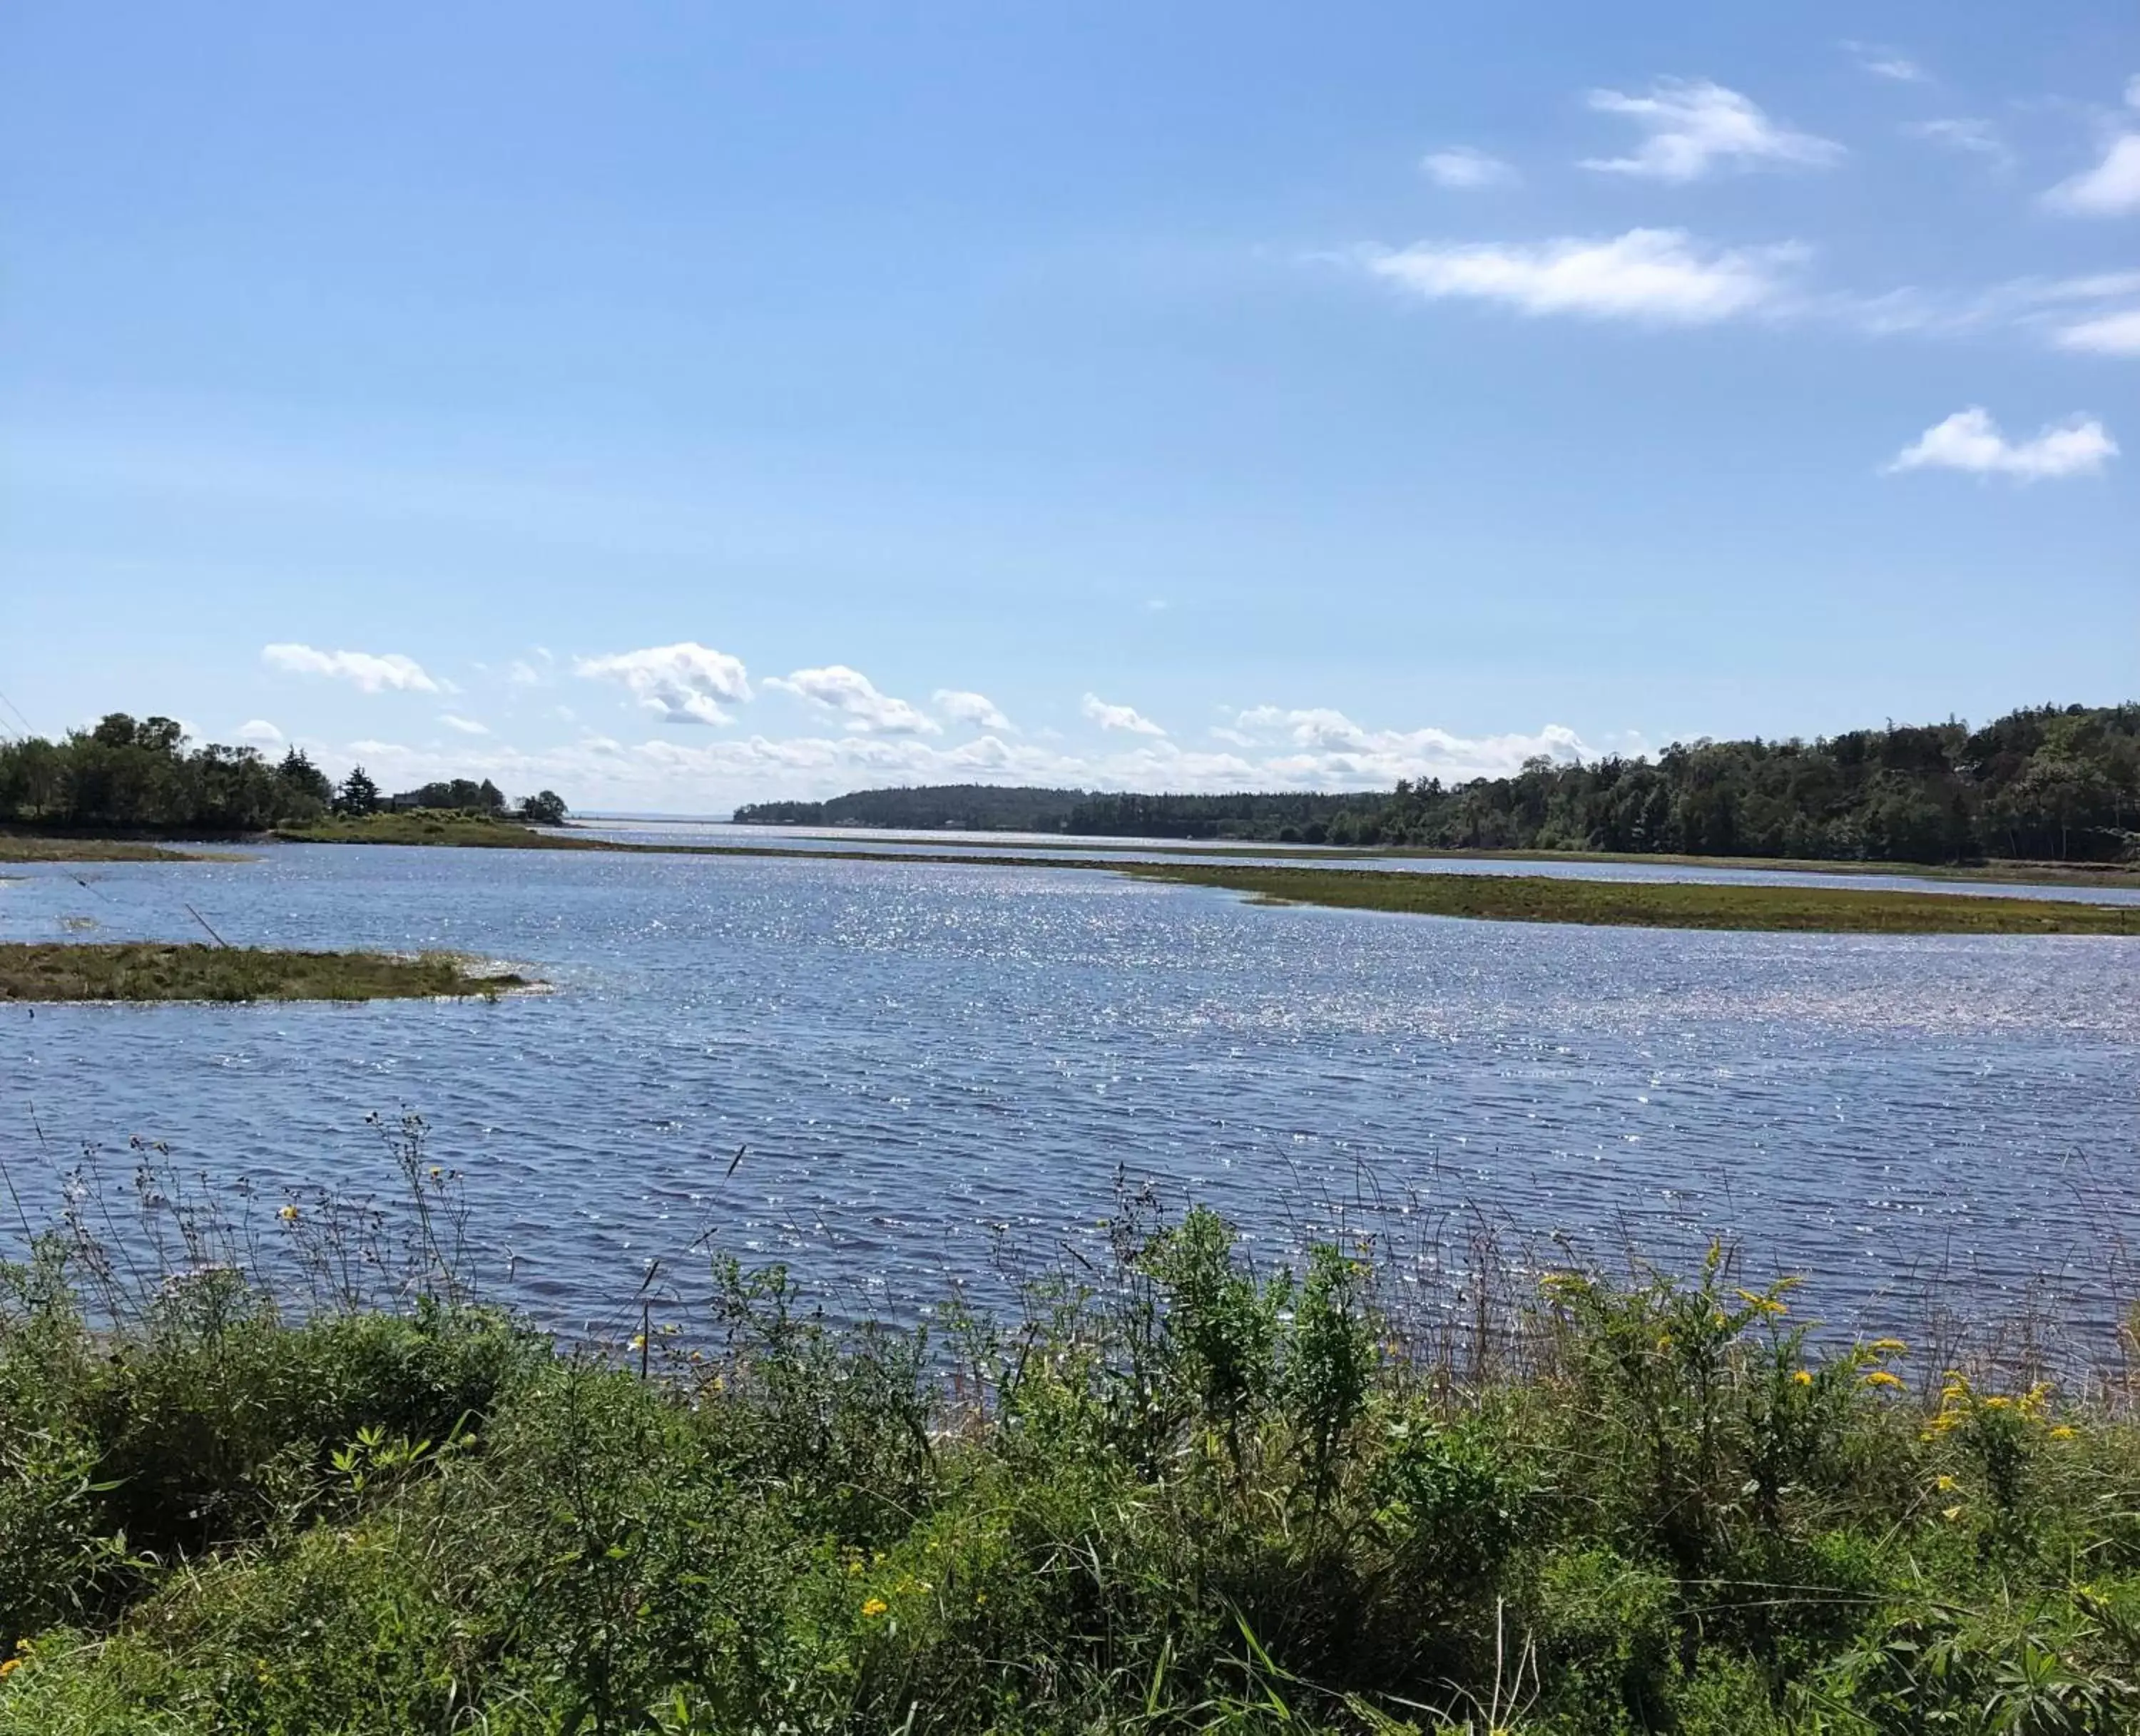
{"points": [[924, 1060], [1044, 846]]}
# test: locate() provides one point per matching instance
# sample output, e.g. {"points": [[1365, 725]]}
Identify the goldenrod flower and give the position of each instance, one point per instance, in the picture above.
{"points": [[9, 1668], [1952, 1513], [1802, 1377], [1881, 1377], [2063, 1432], [1945, 1485], [288, 1215], [873, 1607]]}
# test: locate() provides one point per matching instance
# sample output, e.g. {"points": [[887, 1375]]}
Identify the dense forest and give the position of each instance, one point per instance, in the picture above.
{"points": [[130, 775], [2048, 782]]}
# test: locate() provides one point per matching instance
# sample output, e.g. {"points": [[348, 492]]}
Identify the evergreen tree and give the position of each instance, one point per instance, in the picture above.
{"points": [[359, 795]]}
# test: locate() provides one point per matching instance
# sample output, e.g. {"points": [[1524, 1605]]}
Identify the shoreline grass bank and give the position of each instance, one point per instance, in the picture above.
{"points": [[1176, 1493], [155, 971], [17, 847], [1655, 904]]}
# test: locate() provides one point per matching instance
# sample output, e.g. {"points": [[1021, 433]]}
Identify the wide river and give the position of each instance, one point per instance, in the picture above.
{"points": [[926, 1062]]}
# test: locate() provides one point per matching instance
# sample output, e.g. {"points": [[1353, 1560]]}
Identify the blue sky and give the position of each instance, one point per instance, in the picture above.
{"points": [[680, 405]]}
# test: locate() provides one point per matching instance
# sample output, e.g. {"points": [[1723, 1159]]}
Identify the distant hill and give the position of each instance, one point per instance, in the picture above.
{"points": [[2047, 783], [951, 806]]}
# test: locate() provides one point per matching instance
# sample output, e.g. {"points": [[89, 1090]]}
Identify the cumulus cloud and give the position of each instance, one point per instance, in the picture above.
{"points": [[1662, 275], [1329, 749], [1465, 170], [370, 673], [680, 684], [977, 710], [2110, 334], [2111, 189], [1971, 440], [259, 731], [1691, 125], [838, 689], [1276, 749], [1118, 716], [467, 726]]}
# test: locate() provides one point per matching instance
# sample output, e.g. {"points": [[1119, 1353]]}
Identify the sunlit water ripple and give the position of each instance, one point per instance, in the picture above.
{"points": [[923, 1059]]}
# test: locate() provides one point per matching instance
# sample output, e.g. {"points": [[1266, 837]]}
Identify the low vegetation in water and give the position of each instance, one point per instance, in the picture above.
{"points": [[1177, 1493], [431, 826], [159, 971], [1658, 904], [16, 847]]}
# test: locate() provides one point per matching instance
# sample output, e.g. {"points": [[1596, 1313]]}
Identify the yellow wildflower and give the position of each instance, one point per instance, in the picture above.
{"points": [[9, 1668], [2063, 1432], [638, 1341], [1952, 1513], [1802, 1377], [854, 1568], [288, 1215], [874, 1607], [1881, 1377], [1887, 1347], [1945, 1485]]}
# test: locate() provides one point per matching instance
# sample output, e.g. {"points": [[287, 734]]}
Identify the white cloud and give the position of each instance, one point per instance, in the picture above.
{"points": [[681, 683], [1118, 716], [1885, 63], [969, 708], [1463, 168], [1275, 749], [1657, 274], [259, 730], [1692, 124], [371, 673], [467, 726], [1330, 750], [1979, 138], [837, 688], [2110, 334], [1971, 440], [2111, 188]]}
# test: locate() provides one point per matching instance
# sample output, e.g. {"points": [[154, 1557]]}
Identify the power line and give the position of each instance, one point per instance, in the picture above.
{"points": [[27, 728]]}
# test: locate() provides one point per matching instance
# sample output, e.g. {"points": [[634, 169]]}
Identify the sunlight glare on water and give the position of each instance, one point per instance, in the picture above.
{"points": [[925, 1059]]}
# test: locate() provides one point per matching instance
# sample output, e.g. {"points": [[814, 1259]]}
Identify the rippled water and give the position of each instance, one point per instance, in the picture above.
{"points": [[919, 1056], [1040, 846]]}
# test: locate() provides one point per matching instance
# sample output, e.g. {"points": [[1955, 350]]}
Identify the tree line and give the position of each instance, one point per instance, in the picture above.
{"points": [[142, 775], [2045, 783]]}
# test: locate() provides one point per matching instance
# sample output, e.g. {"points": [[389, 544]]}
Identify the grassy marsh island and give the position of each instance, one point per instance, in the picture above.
{"points": [[156, 971], [1180, 1493], [1653, 903], [433, 827], [16, 848]]}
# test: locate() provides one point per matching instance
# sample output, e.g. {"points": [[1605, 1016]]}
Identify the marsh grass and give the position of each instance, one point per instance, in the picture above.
{"points": [[453, 829], [17, 847], [269, 1463], [160, 971], [1657, 904]]}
